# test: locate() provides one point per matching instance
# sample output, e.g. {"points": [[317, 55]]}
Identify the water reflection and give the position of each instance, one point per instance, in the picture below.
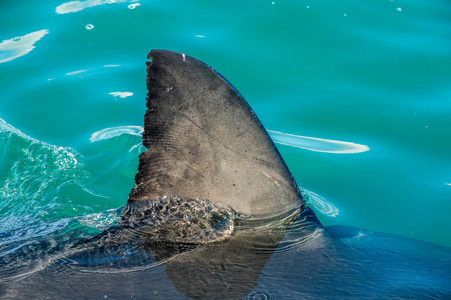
{"points": [[74, 6], [19, 46], [316, 144], [75, 72], [108, 133], [133, 6], [320, 204], [121, 94], [95, 69]]}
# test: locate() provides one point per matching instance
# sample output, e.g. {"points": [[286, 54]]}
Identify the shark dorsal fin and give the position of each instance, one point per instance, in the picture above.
{"points": [[204, 141]]}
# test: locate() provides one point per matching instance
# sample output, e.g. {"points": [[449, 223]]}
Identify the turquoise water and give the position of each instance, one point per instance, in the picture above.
{"points": [[356, 95], [374, 73]]}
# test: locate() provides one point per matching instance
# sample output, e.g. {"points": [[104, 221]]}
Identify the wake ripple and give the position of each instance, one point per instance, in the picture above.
{"points": [[260, 295], [317, 144], [41, 183], [109, 133], [319, 203]]}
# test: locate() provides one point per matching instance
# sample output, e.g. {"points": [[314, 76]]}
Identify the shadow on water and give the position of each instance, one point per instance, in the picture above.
{"points": [[291, 258]]}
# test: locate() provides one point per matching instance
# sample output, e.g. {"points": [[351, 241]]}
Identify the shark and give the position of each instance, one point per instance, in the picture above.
{"points": [[216, 214]]}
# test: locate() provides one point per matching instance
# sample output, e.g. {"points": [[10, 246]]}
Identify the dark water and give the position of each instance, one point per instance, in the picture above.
{"points": [[356, 94]]}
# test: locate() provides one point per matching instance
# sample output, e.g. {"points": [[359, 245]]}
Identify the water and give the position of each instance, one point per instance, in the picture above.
{"points": [[365, 85]]}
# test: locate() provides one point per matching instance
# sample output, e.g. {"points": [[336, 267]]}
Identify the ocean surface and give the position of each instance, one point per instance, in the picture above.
{"points": [[356, 95]]}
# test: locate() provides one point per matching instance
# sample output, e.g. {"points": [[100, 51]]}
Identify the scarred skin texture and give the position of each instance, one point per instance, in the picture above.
{"points": [[204, 141]]}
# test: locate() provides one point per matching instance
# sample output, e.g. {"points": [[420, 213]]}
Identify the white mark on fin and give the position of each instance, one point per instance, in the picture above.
{"points": [[183, 55], [266, 175]]}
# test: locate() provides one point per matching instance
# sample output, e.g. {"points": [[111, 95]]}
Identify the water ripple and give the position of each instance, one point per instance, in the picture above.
{"points": [[75, 72], [40, 182], [111, 132], [260, 295], [305, 243], [101, 221], [316, 144], [318, 202]]}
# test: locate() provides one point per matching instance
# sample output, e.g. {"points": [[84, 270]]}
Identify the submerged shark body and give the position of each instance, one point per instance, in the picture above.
{"points": [[215, 213]]}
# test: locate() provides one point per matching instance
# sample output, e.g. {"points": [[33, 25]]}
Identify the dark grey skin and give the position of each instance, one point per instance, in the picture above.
{"points": [[204, 141]]}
